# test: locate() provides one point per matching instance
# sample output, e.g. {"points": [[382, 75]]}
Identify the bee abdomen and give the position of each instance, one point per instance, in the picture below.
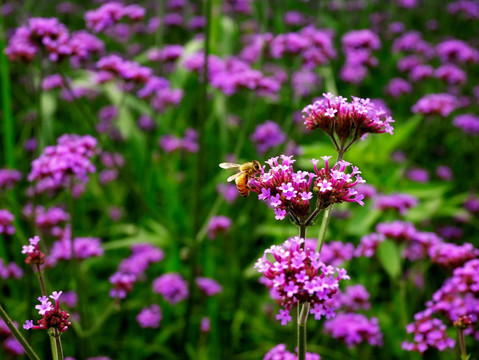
{"points": [[241, 184]]}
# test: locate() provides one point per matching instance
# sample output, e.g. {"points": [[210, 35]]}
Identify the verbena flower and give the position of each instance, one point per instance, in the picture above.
{"points": [[454, 50], [53, 317], [334, 253], [6, 222], [399, 202], [208, 286], [298, 276], [63, 163], [34, 255], [8, 178], [353, 329], [218, 225], [368, 245], [428, 333], [436, 104], [172, 287], [267, 136], [133, 268], [468, 123], [149, 317], [11, 270], [110, 14], [354, 298], [346, 121], [279, 352], [418, 175], [289, 191]]}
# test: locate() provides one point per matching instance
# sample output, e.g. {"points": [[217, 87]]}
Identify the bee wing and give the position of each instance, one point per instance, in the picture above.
{"points": [[228, 165], [232, 177]]}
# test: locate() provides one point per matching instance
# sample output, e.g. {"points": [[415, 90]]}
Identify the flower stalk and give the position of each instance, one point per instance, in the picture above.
{"points": [[26, 346]]}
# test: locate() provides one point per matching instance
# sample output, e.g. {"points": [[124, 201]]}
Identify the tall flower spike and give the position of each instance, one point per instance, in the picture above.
{"points": [[344, 121]]}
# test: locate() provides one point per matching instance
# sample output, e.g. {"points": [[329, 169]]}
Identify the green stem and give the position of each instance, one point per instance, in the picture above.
{"points": [[303, 311], [302, 330], [8, 128], [28, 349], [40, 279], [462, 344], [56, 345], [323, 229]]}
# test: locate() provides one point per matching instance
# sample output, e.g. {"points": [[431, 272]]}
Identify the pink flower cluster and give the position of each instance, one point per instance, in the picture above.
{"points": [[346, 120], [53, 38], [436, 104], [172, 287], [35, 256], [298, 276], [352, 329], [289, 191], [428, 333], [6, 222], [8, 178], [110, 14], [59, 165], [279, 352], [53, 317], [133, 268]]}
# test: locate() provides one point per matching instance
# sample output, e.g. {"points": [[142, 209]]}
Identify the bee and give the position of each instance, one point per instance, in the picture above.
{"points": [[241, 178]]}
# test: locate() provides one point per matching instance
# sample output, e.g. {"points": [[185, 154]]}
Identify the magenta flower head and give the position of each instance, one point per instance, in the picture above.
{"points": [[298, 276], [149, 317], [346, 121], [59, 165], [279, 352], [436, 104], [35, 256], [8, 178], [172, 286], [6, 222], [53, 317], [353, 329], [334, 185], [218, 225], [208, 286], [428, 333], [284, 189]]}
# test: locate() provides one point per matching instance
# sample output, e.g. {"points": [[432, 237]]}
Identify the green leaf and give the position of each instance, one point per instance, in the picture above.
{"points": [[390, 258]]}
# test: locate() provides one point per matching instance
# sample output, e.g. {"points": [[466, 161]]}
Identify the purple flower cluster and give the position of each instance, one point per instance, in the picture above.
{"points": [[10, 343], [428, 333], [112, 66], [418, 175], [450, 255], [219, 225], [149, 317], [35, 256], [436, 104], [468, 123], [52, 37], [451, 74], [11, 270], [172, 287], [368, 245], [358, 46], [468, 9], [334, 253], [8, 178], [298, 276], [160, 94], [412, 42], [398, 202], [133, 268], [286, 190], [110, 14], [166, 54], [228, 191], [279, 352], [6, 222], [208, 286], [267, 136], [353, 329], [457, 51], [397, 87], [336, 116], [49, 220], [58, 166], [189, 143], [232, 75], [53, 317], [354, 298]]}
